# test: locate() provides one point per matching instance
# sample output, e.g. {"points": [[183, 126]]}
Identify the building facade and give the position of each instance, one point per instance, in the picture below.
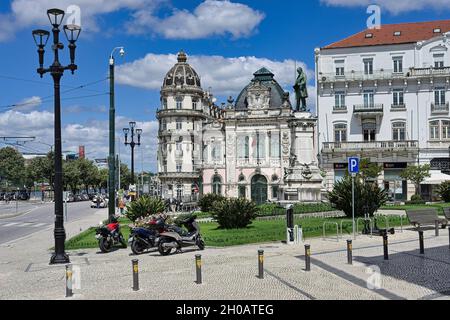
{"points": [[254, 147], [383, 94]]}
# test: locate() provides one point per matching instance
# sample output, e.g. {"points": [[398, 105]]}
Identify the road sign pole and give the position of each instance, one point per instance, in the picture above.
{"points": [[353, 205]]}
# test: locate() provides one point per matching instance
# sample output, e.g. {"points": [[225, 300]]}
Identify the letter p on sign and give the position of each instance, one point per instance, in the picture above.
{"points": [[353, 165]]}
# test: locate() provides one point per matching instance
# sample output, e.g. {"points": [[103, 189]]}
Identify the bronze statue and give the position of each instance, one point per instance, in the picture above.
{"points": [[301, 91]]}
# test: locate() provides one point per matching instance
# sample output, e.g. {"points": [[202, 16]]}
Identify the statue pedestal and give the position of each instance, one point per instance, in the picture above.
{"points": [[302, 115]]}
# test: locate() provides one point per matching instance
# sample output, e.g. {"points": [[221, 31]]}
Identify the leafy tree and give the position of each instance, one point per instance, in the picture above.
{"points": [[71, 176], [234, 213], [416, 174], [42, 169], [367, 196], [125, 176], [207, 201], [370, 170], [444, 191], [102, 178], [88, 172], [12, 166]]}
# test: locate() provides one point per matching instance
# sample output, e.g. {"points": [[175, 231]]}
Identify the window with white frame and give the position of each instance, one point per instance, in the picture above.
{"points": [[179, 124], [164, 125], [194, 104], [339, 100], [216, 151], [179, 168], [434, 130], [340, 132], [368, 66], [369, 98], [340, 68], [398, 64], [275, 145], [438, 60], [445, 126], [439, 96], [179, 102], [398, 98], [399, 131], [165, 104], [179, 146]]}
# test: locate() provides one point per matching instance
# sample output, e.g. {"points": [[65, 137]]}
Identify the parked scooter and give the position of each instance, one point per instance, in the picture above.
{"points": [[110, 235], [177, 238], [145, 238]]}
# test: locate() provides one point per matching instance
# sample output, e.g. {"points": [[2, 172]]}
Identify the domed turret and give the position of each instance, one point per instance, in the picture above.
{"points": [[182, 74]]}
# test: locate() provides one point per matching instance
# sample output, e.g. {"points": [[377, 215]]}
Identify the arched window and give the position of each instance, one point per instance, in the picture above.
{"points": [[259, 189], [217, 185], [340, 132], [399, 131]]}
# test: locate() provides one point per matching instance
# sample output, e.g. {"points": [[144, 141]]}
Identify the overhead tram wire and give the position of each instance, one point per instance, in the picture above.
{"points": [[50, 97]]}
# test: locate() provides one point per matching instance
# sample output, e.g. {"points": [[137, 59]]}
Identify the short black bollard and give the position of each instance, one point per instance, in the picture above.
{"points": [[261, 264], [449, 237], [436, 228], [385, 246], [422, 247], [307, 257], [69, 273], [349, 252], [198, 268], [135, 265]]}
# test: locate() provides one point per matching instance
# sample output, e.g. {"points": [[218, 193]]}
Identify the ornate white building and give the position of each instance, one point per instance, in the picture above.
{"points": [[383, 94], [256, 147]]}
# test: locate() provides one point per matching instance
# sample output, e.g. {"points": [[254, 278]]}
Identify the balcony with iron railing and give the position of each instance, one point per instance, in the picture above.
{"points": [[360, 76], [368, 109], [429, 72], [179, 154], [338, 109], [439, 108], [370, 145], [383, 74]]}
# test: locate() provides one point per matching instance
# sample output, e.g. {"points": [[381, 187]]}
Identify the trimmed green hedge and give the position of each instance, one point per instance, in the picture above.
{"points": [[267, 210]]}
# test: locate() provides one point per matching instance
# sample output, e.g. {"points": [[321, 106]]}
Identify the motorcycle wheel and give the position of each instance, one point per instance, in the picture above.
{"points": [[137, 248], [201, 244], [162, 250], [105, 245]]}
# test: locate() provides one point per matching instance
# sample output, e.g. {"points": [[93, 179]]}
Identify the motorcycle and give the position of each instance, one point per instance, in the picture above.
{"points": [[177, 238], [110, 235], [145, 238]]}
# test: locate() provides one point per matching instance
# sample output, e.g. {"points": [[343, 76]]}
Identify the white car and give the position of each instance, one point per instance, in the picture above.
{"points": [[103, 203]]}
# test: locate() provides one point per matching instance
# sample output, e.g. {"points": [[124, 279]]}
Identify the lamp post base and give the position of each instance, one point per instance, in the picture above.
{"points": [[61, 258]]}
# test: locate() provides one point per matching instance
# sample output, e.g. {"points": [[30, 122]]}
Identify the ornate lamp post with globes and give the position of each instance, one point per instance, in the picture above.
{"points": [[132, 144], [56, 70]]}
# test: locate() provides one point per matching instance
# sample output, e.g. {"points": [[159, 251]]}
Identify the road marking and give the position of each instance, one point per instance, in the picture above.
{"points": [[38, 225], [25, 224]]}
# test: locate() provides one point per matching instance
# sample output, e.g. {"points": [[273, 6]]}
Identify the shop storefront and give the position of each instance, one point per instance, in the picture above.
{"points": [[397, 187]]}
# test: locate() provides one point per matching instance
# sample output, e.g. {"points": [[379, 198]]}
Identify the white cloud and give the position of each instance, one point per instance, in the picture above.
{"points": [[395, 7], [226, 76], [93, 135], [28, 104], [210, 18]]}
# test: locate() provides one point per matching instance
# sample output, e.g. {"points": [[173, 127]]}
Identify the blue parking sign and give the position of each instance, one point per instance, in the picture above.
{"points": [[353, 165]]}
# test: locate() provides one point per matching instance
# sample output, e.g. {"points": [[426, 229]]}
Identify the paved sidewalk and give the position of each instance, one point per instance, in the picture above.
{"points": [[230, 273]]}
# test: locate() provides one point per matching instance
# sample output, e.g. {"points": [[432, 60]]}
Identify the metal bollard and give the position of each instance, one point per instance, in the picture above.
{"points": [[307, 257], [261, 264], [69, 273], [436, 228], [349, 252], [135, 265], [385, 246], [449, 237], [198, 268], [422, 247]]}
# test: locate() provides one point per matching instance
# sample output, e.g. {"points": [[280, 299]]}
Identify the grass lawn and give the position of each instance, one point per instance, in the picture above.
{"points": [[258, 232], [438, 206]]}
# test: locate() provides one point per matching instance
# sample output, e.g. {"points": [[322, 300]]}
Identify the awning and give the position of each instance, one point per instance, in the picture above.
{"points": [[437, 177]]}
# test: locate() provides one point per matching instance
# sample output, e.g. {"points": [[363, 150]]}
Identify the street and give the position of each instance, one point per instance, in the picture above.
{"points": [[39, 218]]}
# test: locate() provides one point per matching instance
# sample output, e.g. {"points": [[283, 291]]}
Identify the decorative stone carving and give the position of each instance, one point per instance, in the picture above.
{"points": [[258, 97]]}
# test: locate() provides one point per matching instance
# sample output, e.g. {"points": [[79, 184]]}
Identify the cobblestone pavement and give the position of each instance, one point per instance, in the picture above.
{"points": [[231, 273]]}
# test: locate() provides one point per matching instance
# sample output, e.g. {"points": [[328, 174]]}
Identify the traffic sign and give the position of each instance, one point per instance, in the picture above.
{"points": [[353, 165]]}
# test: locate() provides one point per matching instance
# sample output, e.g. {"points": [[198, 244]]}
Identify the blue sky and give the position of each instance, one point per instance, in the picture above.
{"points": [[226, 41]]}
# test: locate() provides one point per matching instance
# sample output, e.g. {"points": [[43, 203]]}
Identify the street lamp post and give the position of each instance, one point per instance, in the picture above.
{"points": [[132, 143], [72, 32], [112, 129]]}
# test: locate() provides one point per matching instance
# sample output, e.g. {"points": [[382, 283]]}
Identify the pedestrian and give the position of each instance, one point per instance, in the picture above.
{"points": [[122, 205]]}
